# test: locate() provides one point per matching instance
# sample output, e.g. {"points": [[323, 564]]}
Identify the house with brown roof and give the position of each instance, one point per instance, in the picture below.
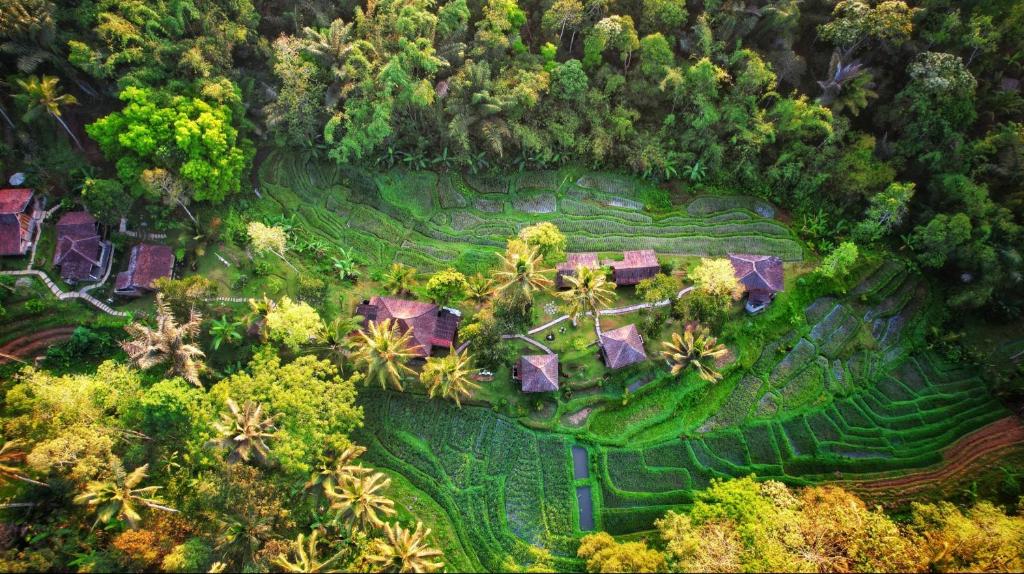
{"points": [[146, 264], [537, 373], [80, 253], [572, 262], [761, 275], [634, 267], [431, 326], [622, 347], [19, 220]]}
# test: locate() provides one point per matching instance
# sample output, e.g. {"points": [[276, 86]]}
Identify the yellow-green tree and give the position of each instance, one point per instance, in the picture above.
{"points": [[603, 554], [294, 324], [546, 238]]}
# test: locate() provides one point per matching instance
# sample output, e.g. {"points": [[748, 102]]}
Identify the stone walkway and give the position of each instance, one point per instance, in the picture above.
{"points": [[65, 295]]}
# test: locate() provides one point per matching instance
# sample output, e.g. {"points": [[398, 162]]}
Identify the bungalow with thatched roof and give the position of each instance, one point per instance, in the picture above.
{"points": [[146, 264], [571, 263], [634, 267], [761, 275], [19, 220], [621, 347], [537, 373], [431, 326], [80, 253]]}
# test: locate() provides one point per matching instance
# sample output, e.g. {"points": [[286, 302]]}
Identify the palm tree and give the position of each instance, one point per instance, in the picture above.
{"points": [[521, 272], [589, 290], [358, 502], [243, 432], [695, 348], [168, 343], [119, 497], [11, 457], [383, 352], [449, 376], [399, 279], [406, 551], [346, 265], [479, 288], [338, 342], [327, 477], [306, 556], [43, 96], [222, 330]]}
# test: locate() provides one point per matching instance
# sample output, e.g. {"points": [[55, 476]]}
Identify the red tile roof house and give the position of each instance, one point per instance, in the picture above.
{"points": [[19, 221], [571, 263], [622, 347], [537, 373], [634, 267], [80, 254], [761, 275], [431, 326], [146, 264]]}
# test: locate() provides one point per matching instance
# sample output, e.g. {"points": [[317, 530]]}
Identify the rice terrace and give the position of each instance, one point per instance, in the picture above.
{"points": [[511, 286]]}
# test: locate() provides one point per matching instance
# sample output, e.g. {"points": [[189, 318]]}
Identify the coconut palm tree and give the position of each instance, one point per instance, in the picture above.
{"points": [[42, 96], [11, 457], [337, 342], [479, 288], [589, 290], [118, 498], [359, 503], [327, 477], [695, 348], [449, 376], [243, 431], [406, 551], [382, 352], [521, 271], [168, 343], [399, 279], [306, 560]]}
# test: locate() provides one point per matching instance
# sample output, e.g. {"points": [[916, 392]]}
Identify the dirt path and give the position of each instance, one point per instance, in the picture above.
{"points": [[26, 347], [966, 455]]}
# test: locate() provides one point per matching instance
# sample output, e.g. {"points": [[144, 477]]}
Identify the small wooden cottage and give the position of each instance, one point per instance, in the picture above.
{"points": [[19, 220], [572, 262], [537, 373], [761, 275], [622, 347], [634, 267], [146, 264], [80, 253]]}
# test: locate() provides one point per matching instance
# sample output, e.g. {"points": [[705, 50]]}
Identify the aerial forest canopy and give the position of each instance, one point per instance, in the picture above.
{"points": [[511, 285]]}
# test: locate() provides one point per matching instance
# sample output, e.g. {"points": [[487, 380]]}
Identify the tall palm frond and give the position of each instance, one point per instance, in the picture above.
{"points": [[168, 343], [521, 271], [382, 352], [479, 288], [406, 551], [399, 279], [358, 501], [118, 498], [306, 556], [589, 290], [696, 348], [243, 432], [449, 376], [327, 477]]}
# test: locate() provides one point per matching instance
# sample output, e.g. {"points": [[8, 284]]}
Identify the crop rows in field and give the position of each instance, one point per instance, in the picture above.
{"points": [[469, 217]]}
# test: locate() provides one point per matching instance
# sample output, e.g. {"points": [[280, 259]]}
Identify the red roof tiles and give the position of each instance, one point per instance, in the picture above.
{"points": [[758, 272], [79, 249], [15, 221], [538, 373], [431, 326], [146, 264]]}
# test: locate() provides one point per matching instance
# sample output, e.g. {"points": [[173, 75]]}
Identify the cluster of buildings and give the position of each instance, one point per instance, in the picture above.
{"points": [[433, 327], [81, 254]]}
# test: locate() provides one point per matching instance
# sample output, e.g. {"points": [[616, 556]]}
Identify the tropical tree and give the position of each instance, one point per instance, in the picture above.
{"points": [[359, 503], [382, 352], [399, 279], [168, 343], [293, 323], [521, 272], [224, 331], [269, 239], [337, 340], [589, 290], [42, 96], [306, 556], [243, 432], [11, 457], [345, 265], [696, 348], [449, 376], [258, 311], [328, 477], [406, 551], [119, 498], [479, 288]]}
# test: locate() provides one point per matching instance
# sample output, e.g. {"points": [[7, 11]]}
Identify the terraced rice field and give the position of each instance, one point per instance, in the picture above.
{"points": [[840, 401], [433, 221]]}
